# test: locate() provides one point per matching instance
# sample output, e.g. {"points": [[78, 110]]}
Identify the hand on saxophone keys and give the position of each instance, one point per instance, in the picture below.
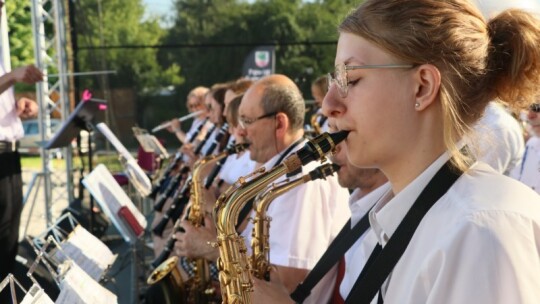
{"points": [[193, 242]]}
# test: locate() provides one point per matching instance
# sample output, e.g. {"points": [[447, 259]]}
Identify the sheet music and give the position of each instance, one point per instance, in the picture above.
{"points": [[77, 287], [110, 196], [91, 254], [135, 173], [36, 295]]}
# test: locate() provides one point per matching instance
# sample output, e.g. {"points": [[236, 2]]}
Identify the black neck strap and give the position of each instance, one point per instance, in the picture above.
{"points": [[343, 241], [382, 262]]}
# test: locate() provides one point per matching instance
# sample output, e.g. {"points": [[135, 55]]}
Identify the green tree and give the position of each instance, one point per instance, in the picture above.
{"points": [[21, 41], [118, 23]]}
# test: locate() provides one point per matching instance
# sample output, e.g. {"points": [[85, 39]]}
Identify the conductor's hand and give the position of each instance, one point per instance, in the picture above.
{"points": [[27, 74], [26, 108], [194, 242], [273, 291]]}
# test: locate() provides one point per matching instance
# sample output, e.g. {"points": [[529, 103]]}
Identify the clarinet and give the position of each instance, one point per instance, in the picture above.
{"points": [[217, 168], [175, 182], [176, 209], [176, 161]]}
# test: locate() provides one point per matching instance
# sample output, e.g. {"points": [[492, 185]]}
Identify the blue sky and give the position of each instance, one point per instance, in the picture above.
{"points": [[158, 7]]}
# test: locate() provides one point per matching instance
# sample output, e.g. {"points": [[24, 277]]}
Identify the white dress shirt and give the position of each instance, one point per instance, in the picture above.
{"points": [[11, 128], [237, 166], [529, 171], [304, 222], [479, 243], [498, 139]]}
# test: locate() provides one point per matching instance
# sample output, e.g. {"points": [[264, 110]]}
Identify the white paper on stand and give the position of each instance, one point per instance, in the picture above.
{"points": [[90, 253], [111, 197], [36, 295], [79, 288]]}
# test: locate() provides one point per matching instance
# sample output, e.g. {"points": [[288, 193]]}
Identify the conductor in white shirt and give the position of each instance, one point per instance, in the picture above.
{"points": [[11, 131]]}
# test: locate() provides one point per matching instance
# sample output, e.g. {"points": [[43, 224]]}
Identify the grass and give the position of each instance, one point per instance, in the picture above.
{"points": [[110, 161]]}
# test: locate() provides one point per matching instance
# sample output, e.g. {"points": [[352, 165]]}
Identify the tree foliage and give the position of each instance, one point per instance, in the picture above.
{"points": [[227, 30], [120, 23], [21, 40]]}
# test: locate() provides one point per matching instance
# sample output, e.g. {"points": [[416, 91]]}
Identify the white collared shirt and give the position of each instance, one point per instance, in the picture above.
{"points": [[304, 222], [237, 166], [11, 128], [498, 139], [529, 171], [479, 243]]}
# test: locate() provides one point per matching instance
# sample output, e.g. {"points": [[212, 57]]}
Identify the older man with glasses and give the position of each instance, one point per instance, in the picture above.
{"points": [[11, 130], [306, 218]]}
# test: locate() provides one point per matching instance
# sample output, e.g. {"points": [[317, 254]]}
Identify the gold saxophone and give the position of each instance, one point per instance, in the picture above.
{"points": [[234, 270], [315, 123], [198, 288], [260, 242]]}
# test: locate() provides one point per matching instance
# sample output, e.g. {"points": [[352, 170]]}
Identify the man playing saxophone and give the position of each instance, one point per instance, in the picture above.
{"points": [[307, 218], [363, 183]]}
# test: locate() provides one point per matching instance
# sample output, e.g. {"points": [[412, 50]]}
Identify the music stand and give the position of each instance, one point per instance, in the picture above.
{"points": [[87, 113]]}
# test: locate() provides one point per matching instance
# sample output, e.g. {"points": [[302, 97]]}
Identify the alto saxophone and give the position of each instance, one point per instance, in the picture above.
{"points": [[315, 123], [260, 242], [234, 271], [198, 288]]}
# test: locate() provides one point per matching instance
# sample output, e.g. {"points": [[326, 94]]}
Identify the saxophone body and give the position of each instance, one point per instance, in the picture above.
{"points": [[260, 242], [234, 268], [314, 120], [197, 289]]}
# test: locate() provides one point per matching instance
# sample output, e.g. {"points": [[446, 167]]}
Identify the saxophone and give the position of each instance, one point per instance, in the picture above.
{"points": [[198, 288], [260, 266], [315, 123], [234, 271]]}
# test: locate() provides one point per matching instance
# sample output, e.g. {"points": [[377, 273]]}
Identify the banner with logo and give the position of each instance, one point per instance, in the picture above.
{"points": [[259, 63]]}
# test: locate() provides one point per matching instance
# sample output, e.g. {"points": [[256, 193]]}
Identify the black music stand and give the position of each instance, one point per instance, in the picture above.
{"points": [[87, 113]]}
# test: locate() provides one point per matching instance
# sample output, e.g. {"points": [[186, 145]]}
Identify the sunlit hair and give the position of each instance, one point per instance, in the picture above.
{"points": [[321, 83], [232, 110], [287, 99], [199, 93], [478, 61]]}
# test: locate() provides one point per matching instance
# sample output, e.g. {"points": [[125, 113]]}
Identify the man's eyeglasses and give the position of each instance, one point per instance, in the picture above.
{"points": [[535, 107], [246, 122], [341, 79]]}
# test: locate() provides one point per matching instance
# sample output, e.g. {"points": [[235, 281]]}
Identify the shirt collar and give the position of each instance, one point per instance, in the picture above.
{"points": [[360, 204], [390, 210]]}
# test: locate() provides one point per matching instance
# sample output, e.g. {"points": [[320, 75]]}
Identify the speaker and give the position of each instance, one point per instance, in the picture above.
{"points": [[81, 212]]}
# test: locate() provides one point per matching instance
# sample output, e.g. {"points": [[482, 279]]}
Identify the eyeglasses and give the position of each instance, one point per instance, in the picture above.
{"points": [[246, 122], [341, 79], [535, 107]]}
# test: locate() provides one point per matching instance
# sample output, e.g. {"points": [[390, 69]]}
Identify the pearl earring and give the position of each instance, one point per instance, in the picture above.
{"points": [[417, 104]]}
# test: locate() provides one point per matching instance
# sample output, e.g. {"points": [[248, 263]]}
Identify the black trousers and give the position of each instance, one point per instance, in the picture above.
{"points": [[11, 198]]}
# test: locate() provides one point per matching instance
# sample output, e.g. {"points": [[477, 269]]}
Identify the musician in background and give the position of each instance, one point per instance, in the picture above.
{"points": [[194, 103], [236, 88], [306, 218], [529, 170], [364, 184], [319, 88], [193, 242], [499, 139]]}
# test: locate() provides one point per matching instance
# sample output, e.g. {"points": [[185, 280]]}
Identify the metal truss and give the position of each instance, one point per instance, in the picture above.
{"points": [[51, 56]]}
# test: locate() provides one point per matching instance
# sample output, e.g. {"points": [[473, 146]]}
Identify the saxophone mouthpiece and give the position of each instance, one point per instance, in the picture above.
{"points": [[323, 171], [319, 146]]}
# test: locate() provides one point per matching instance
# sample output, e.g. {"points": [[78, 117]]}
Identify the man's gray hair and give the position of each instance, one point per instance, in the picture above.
{"points": [[285, 99]]}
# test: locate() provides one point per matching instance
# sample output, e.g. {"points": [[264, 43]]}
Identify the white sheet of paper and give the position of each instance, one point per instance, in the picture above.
{"points": [[79, 288], [90, 253], [36, 295], [111, 197]]}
